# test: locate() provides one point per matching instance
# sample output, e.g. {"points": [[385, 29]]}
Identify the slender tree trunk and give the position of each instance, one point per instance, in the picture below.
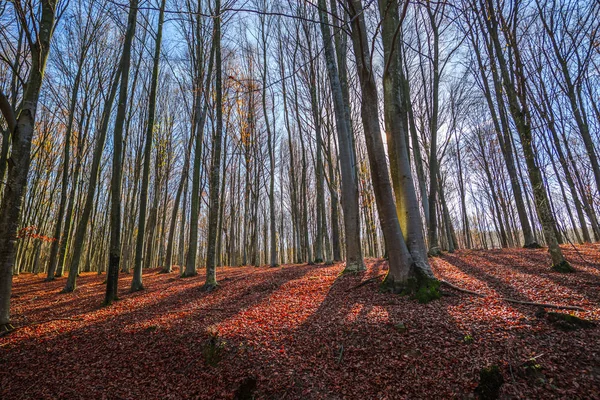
{"points": [[16, 180], [199, 120], [112, 278], [522, 118], [64, 196], [136, 283], [213, 209], [503, 134]]}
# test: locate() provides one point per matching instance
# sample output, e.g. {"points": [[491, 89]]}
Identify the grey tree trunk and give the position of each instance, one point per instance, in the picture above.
{"points": [[16, 180], [167, 267], [397, 132], [198, 128], [400, 260], [64, 194], [521, 116], [213, 208], [503, 134], [354, 258], [270, 148]]}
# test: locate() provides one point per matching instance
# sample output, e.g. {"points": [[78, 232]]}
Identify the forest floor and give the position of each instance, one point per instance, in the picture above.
{"points": [[305, 331]]}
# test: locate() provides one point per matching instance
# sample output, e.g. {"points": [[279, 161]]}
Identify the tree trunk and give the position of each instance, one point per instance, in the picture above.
{"points": [[16, 180], [112, 278], [401, 265], [354, 259], [213, 208]]}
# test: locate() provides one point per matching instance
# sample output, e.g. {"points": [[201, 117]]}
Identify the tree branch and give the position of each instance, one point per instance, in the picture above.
{"points": [[8, 113]]}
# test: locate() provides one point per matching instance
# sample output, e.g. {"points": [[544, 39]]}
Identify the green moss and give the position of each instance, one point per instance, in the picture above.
{"points": [[428, 291], [568, 322], [563, 267], [420, 287], [434, 252], [533, 371], [490, 382]]}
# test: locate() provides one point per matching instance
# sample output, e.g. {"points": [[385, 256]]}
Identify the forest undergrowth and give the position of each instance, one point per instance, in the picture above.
{"points": [[310, 332]]}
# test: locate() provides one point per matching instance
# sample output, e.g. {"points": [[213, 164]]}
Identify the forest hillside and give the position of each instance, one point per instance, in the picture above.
{"points": [[305, 331], [290, 199]]}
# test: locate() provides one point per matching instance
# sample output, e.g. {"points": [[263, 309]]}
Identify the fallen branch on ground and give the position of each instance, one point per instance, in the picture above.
{"points": [[528, 303]]}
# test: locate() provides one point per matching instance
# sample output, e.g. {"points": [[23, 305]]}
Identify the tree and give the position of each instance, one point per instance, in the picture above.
{"points": [[354, 260], [136, 283], [403, 273], [115, 185], [22, 134], [519, 109], [213, 210]]}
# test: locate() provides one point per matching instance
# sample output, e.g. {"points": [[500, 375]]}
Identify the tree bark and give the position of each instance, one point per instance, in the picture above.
{"points": [[18, 168]]}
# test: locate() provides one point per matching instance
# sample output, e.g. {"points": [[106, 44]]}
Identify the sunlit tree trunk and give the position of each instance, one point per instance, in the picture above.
{"points": [[213, 208], [354, 259], [401, 264], [22, 135]]}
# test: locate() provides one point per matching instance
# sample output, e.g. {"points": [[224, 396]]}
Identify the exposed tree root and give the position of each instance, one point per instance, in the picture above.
{"points": [[363, 283], [528, 303], [209, 287], [6, 329]]}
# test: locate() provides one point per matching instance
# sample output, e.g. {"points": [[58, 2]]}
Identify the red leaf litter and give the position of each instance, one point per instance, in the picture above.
{"points": [[307, 332]]}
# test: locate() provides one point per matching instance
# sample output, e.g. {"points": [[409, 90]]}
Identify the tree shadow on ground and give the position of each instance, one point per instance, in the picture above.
{"points": [[126, 339]]}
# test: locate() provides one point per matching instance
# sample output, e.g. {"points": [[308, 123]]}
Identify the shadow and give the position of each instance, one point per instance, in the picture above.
{"points": [[532, 267], [163, 327], [472, 267], [304, 332], [341, 342]]}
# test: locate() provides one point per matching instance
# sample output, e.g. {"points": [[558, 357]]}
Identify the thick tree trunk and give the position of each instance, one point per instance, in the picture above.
{"points": [[354, 259], [401, 265], [397, 132]]}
